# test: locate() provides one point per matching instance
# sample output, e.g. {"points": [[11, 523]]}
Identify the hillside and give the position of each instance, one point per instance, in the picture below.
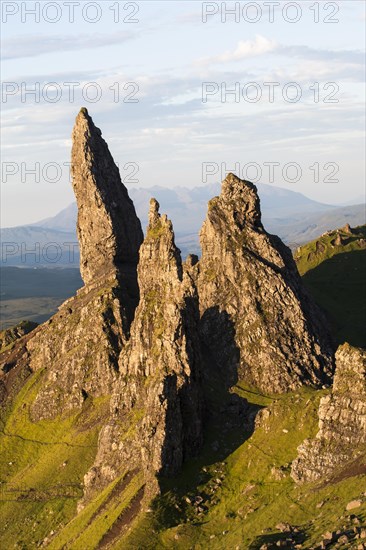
{"points": [[334, 270], [237, 494], [302, 228], [9, 336]]}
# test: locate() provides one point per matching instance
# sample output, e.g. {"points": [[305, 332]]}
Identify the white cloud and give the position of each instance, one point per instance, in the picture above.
{"points": [[261, 45], [245, 49]]}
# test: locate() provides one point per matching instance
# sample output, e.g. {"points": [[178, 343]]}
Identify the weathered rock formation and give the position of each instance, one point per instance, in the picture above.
{"points": [[77, 351], [342, 421], [258, 321], [146, 329], [156, 405], [109, 231]]}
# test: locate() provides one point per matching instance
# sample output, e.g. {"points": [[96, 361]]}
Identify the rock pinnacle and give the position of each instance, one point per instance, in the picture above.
{"points": [[108, 229]]}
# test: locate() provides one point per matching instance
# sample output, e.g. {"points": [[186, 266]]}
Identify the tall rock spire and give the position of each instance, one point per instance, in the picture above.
{"points": [[80, 346], [165, 350], [108, 229], [249, 287]]}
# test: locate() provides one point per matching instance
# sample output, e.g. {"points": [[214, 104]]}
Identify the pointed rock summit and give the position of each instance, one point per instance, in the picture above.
{"points": [[249, 286], [108, 228]]}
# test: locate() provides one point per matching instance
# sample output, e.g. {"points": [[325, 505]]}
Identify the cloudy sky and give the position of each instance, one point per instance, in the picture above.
{"points": [[275, 93]]}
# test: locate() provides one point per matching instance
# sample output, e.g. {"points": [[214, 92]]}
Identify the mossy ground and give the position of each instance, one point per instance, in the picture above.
{"points": [[242, 477], [248, 490], [42, 466]]}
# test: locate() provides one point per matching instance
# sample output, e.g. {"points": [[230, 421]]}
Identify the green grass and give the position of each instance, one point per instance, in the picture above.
{"points": [[88, 528], [245, 483], [335, 276], [312, 254], [338, 286], [42, 465], [255, 492]]}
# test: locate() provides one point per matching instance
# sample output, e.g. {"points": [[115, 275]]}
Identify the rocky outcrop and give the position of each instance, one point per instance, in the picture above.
{"points": [[109, 231], [164, 351], [145, 330], [10, 335], [77, 350], [99, 345], [258, 321], [156, 406], [342, 421]]}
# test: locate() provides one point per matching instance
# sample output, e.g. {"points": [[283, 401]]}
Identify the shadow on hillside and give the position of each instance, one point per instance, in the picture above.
{"points": [[338, 287], [228, 423]]}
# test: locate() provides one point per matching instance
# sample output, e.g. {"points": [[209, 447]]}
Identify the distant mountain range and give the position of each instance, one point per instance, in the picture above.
{"points": [[291, 215]]}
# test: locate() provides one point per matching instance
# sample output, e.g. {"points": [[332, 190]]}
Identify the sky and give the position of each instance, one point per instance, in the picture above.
{"points": [[184, 92]]}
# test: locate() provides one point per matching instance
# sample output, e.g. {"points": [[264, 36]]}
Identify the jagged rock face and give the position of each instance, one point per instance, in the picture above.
{"points": [[156, 406], [137, 334], [258, 321], [91, 349], [165, 350], [108, 229], [78, 351], [342, 421]]}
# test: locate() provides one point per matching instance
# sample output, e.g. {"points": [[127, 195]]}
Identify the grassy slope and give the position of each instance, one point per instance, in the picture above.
{"points": [[42, 465], [255, 491], [335, 276], [323, 248], [243, 479]]}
